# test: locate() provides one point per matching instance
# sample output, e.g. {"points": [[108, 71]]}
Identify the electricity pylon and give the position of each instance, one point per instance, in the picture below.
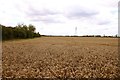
{"points": [[75, 30]]}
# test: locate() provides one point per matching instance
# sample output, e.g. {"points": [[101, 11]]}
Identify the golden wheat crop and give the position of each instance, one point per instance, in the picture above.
{"points": [[51, 57]]}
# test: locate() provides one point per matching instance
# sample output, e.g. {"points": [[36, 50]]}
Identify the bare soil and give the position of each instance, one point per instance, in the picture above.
{"points": [[54, 57]]}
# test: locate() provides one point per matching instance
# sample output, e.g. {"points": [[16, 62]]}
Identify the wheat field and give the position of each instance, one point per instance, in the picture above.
{"points": [[61, 57]]}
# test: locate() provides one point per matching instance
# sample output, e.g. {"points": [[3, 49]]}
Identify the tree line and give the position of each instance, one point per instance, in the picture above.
{"points": [[115, 36], [20, 31]]}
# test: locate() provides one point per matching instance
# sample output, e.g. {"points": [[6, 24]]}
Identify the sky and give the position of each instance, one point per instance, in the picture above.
{"points": [[62, 17]]}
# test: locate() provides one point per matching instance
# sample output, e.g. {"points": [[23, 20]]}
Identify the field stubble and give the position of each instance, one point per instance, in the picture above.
{"points": [[61, 57]]}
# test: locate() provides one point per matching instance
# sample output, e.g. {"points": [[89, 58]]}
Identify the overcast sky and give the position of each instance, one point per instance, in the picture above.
{"points": [[60, 17]]}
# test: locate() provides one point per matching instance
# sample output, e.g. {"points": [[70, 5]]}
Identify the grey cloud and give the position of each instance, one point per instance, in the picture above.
{"points": [[81, 12], [43, 15], [76, 12], [41, 12], [103, 22], [46, 20]]}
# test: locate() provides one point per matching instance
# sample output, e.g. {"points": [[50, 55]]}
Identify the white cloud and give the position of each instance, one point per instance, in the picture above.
{"points": [[60, 17]]}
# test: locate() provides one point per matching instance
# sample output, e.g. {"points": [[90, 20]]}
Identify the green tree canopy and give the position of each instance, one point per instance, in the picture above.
{"points": [[20, 31]]}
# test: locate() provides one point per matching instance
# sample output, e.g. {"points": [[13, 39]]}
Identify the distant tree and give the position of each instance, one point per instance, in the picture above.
{"points": [[116, 35], [19, 32], [97, 35], [7, 33], [31, 28], [37, 34]]}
